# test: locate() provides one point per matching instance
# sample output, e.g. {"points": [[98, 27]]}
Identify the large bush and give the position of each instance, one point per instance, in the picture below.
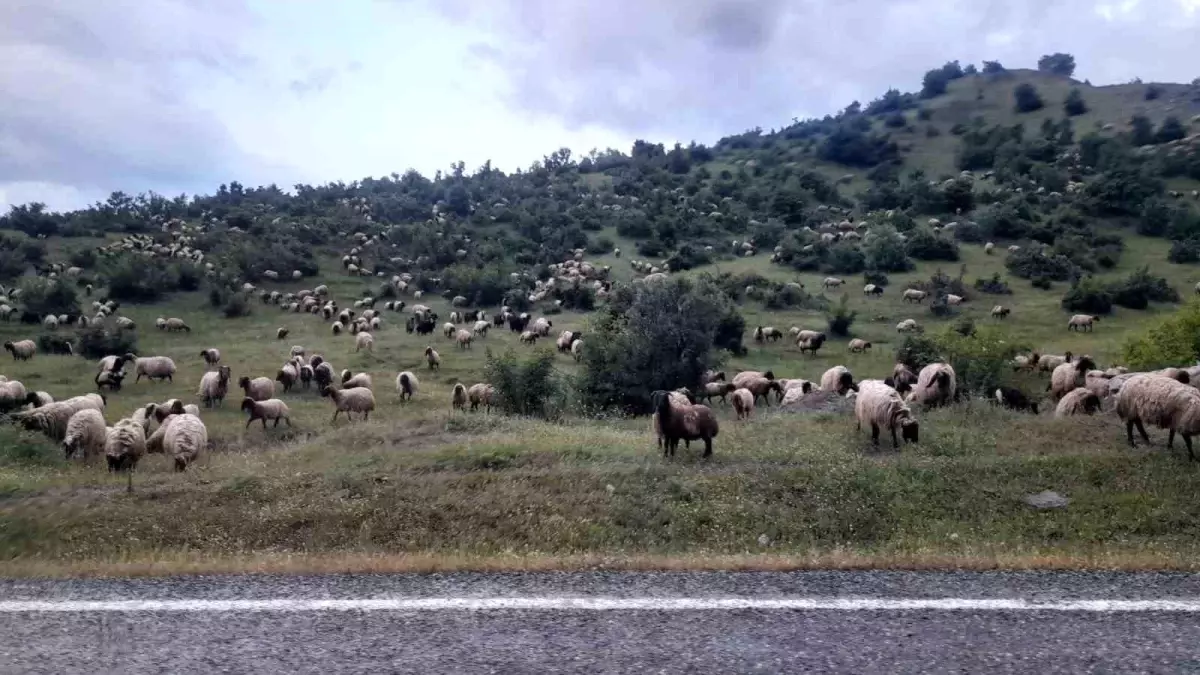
{"points": [[981, 359], [133, 278], [1088, 296], [925, 244], [528, 387], [1029, 263], [1172, 341], [98, 340], [886, 252], [841, 318], [41, 296], [1141, 288]]}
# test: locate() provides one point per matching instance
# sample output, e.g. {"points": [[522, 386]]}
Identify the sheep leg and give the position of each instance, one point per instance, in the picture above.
{"points": [[264, 423], [335, 415], [1142, 430], [129, 481], [874, 434], [249, 422], [895, 441], [1187, 440], [707, 447]]}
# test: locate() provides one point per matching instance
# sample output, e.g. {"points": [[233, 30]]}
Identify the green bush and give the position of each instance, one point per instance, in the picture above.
{"points": [[529, 387], [981, 360], [917, 351], [841, 318], [995, 285], [1089, 296], [1141, 288], [54, 344], [845, 258], [1027, 98], [886, 251], [876, 277], [1172, 341], [925, 244], [42, 296], [1029, 263], [98, 341], [133, 278], [26, 448]]}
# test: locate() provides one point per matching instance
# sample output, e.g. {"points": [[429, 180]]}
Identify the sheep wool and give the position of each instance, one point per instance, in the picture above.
{"points": [[211, 356], [684, 421], [458, 398], [12, 395], [936, 385], [22, 350], [154, 368], [358, 399], [86, 434], [481, 394], [185, 438], [406, 385], [1068, 376], [350, 381], [364, 341], [745, 376], [52, 419], [270, 409], [838, 379], [213, 386], [259, 389], [124, 445], [881, 407], [1079, 401], [743, 403], [1163, 402]]}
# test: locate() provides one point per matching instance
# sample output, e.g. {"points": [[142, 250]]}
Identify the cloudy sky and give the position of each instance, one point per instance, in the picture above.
{"points": [[181, 95]]}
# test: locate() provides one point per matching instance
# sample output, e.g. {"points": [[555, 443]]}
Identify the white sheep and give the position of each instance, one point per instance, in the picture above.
{"points": [[281, 333], [914, 295], [952, 299], [52, 419], [1068, 376], [433, 358], [50, 322], [364, 341], [481, 328], [908, 326], [577, 349], [458, 397], [358, 399], [743, 403], [541, 326], [1163, 402], [287, 376], [1082, 322], [13, 395], [173, 325], [124, 445], [1080, 401], [881, 407], [1000, 312], [85, 433], [213, 386], [936, 385], [259, 389], [481, 394], [988, 248], [831, 282], [859, 345], [406, 385], [351, 381], [337, 327], [115, 363], [270, 409], [154, 368], [22, 350], [838, 379], [185, 437], [463, 338], [211, 356]]}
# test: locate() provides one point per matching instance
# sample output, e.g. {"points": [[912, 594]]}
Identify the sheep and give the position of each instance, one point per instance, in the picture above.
{"points": [[577, 349], [936, 385], [1046, 363], [448, 330], [52, 419], [528, 337], [745, 376], [858, 346], [839, 379], [1000, 312], [1068, 376], [713, 389], [1014, 399], [213, 386], [184, 438], [541, 326], [154, 368], [13, 395], [287, 376], [124, 445], [810, 343], [337, 327], [259, 389], [109, 378], [684, 421], [432, 358], [794, 390], [914, 295], [364, 341], [713, 376], [873, 289], [281, 333], [1081, 322], [1079, 401], [1097, 382], [85, 432], [831, 282], [38, 399], [270, 409], [761, 386], [481, 328], [173, 325], [565, 339], [952, 299], [988, 248], [211, 356], [880, 406], [358, 399], [908, 326], [681, 396], [22, 350], [126, 323], [297, 351], [351, 381], [743, 403], [323, 375], [463, 338], [902, 378], [50, 322], [406, 385], [481, 394], [458, 398], [306, 375], [1163, 402]]}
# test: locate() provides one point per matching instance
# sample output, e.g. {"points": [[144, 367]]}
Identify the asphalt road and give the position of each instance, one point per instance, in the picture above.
{"points": [[860, 622]]}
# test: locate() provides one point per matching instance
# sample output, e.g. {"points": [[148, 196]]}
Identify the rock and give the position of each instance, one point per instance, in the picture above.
{"points": [[1046, 499]]}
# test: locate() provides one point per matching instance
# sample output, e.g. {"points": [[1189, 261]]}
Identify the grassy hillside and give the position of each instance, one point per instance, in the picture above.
{"points": [[421, 486]]}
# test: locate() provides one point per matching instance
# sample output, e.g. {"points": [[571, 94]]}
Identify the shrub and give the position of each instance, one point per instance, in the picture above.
{"points": [[845, 258], [995, 285], [41, 296], [784, 296], [1172, 341], [187, 276], [918, 351], [981, 360], [528, 387], [1027, 98], [1074, 104], [886, 251], [237, 305], [98, 340], [26, 448], [132, 278], [1182, 252], [841, 318], [1029, 263], [941, 283], [1153, 91], [1088, 296], [1042, 283], [925, 244], [1057, 63], [53, 344], [875, 277], [924, 114], [1141, 288]]}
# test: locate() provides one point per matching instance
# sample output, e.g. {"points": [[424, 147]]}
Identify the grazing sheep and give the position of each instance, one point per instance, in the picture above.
{"points": [[184, 438], [154, 368], [259, 389], [270, 409], [838, 379], [281, 333], [211, 356], [1163, 402], [50, 322], [1028, 363], [458, 398], [873, 289], [22, 350], [351, 381], [13, 395], [988, 248], [173, 325], [109, 378], [364, 341], [743, 403], [858, 345], [86, 433], [37, 399], [52, 419], [1001, 312], [936, 385], [714, 376], [349, 401], [881, 407], [1082, 322], [124, 445], [306, 375], [463, 338], [1015, 399], [481, 394], [1068, 376], [565, 339], [745, 376], [762, 387], [297, 351], [481, 328], [1097, 382], [831, 282], [541, 326], [683, 421], [1046, 363], [406, 385], [126, 323], [323, 375], [337, 327], [577, 349], [213, 386], [528, 337], [914, 295], [908, 326], [952, 299], [1080, 401], [808, 342], [287, 376], [448, 330], [794, 390], [433, 358], [713, 389]]}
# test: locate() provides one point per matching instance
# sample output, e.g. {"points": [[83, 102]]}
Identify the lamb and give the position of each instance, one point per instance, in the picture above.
{"points": [[908, 326], [306, 375], [481, 328], [914, 295], [481, 394], [873, 289], [281, 333], [22, 350], [902, 378], [858, 346], [109, 378], [358, 399], [352, 381], [1081, 322], [839, 379], [881, 407], [1163, 402], [528, 337], [433, 359], [52, 419], [337, 327], [684, 421], [50, 322], [541, 326], [1068, 376], [743, 403], [364, 341], [952, 299], [406, 385], [1000, 312], [287, 376], [115, 363], [761, 386], [12, 395], [85, 433], [713, 389], [259, 389], [270, 409], [1097, 382], [154, 368], [448, 330], [936, 385], [211, 356], [988, 248], [174, 325], [463, 338], [124, 445], [458, 398], [1079, 401], [1015, 399]]}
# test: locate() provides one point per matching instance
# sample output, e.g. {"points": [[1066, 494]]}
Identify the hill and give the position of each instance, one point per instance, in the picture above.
{"points": [[904, 192]]}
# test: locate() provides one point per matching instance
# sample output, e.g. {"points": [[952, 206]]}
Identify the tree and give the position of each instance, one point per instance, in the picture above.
{"points": [[1141, 130], [1171, 130], [1027, 98], [1057, 64], [992, 68], [1074, 104]]}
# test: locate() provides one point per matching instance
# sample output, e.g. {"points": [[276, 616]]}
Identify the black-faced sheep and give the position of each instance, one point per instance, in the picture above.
{"points": [[936, 385], [85, 434], [124, 445], [458, 398], [406, 385], [1014, 399], [109, 378], [270, 409], [838, 379], [211, 356], [1082, 322], [881, 407], [718, 389], [349, 401], [1068, 376], [22, 350], [433, 359], [214, 385], [1081, 401], [259, 389], [351, 380], [174, 325], [858, 346], [743, 403], [684, 421]]}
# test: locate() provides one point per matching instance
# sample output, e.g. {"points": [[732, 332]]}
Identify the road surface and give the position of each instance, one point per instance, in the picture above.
{"points": [[860, 622]]}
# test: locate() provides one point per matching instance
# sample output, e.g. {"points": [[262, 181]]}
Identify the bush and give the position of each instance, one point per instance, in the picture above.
{"points": [[97, 341], [1153, 91], [54, 344], [918, 351], [1183, 252], [995, 285], [41, 296], [1074, 104], [785, 296], [925, 244], [1140, 289], [941, 283], [981, 360], [529, 387], [1088, 296], [27, 448], [187, 277], [1057, 64], [875, 277], [1029, 263], [1173, 341], [231, 303], [845, 258], [132, 278], [841, 318], [1027, 98], [1043, 283], [886, 251]]}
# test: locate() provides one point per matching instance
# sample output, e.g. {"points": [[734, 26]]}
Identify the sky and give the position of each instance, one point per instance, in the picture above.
{"points": [[179, 96]]}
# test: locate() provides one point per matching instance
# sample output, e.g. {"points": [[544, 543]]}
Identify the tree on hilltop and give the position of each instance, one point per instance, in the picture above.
{"points": [[1057, 64]]}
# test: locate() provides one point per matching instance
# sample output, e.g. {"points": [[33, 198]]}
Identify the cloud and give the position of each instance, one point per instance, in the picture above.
{"points": [[704, 68]]}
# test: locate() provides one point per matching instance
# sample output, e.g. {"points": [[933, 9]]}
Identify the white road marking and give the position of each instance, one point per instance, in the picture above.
{"points": [[599, 603]]}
